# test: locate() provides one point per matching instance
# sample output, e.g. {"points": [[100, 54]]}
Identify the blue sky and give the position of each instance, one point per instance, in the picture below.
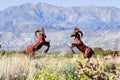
{"points": [[63, 3]]}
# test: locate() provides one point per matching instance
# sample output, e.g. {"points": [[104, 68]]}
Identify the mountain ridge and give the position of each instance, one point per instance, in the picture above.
{"points": [[43, 14], [20, 22]]}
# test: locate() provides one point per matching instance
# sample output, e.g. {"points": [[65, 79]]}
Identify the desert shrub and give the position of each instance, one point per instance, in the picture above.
{"points": [[69, 72], [8, 53], [101, 52], [13, 52], [98, 49], [2, 52]]}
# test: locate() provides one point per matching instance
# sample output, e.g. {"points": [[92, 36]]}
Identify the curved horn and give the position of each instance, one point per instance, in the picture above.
{"points": [[81, 33], [36, 33]]}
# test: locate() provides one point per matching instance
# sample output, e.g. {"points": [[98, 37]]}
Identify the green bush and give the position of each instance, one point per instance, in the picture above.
{"points": [[101, 52], [98, 49], [69, 72], [46, 74]]}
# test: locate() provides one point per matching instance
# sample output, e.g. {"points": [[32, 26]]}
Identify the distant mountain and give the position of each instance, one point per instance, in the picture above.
{"points": [[30, 16], [18, 23]]}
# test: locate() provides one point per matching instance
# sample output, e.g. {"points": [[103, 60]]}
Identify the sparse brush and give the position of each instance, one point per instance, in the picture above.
{"points": [[17, 66]]}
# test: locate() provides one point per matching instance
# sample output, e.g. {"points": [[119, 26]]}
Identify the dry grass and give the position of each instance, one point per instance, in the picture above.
{"points": [[17, 65], [20, 65]]}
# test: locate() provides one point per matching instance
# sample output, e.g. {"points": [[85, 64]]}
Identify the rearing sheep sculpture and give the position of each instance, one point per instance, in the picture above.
{"points": [[111, 55], [87, 51], [30, 50]]}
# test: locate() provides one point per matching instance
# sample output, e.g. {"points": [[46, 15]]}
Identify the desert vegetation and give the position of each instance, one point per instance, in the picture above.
{"points": [[58, 65]]}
